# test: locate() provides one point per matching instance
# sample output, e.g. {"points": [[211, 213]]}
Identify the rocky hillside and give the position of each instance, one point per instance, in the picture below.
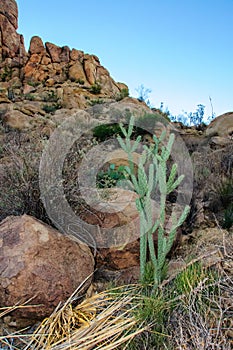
{"points": [[71, 77], [40, 89]]}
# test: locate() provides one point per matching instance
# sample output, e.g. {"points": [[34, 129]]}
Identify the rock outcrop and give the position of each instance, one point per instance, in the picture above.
{"points": [[46, 66], [222, 126], [38, 263], [11, 43]]}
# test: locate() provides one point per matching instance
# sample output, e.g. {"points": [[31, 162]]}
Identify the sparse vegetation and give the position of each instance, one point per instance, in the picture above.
{"points": [[51, 108], [29, 97], [109, 178], [6, 75], [105, 131], [95, 89], [80, 81], [33, 83], [124, 93], [97, 101], [51, 96], [188, 311], [143, 94]]}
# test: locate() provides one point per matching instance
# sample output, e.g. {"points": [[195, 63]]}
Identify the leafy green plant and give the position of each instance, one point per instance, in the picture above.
{"points": [[124, 93], [51, 97], [95, 89], [109, 178], [228, 217], [225, 191], [80, 81], [97, 101], [7, 74], [29, 97], [33, 83], [105, 131], [144, 185], [51, 108]]}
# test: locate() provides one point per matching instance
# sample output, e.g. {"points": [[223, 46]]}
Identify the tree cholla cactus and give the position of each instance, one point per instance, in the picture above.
{"points": [[145, 183]]}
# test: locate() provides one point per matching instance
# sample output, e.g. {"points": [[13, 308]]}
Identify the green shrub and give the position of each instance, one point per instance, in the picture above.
{"points": [[33, 83], [51, 97], [80, 81], [225, 191], [95, 89], [29, 97], [51, 108], [7, 74], [109, 178], [105, 131], [228, 217], [97, 101], [124, 93]]}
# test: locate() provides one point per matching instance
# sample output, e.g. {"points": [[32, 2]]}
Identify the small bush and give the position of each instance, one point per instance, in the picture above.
{"points": [[124, 93], [95, 89], [7, 74], [33, 83], [97, 101], [109, 178], [228, 217], [80, 81], [225, 191], [51, 108], [29, 97], [51, 97], [105, 131]]}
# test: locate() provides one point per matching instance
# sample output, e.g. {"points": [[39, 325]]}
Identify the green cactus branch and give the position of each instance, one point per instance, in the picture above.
{"points": [[144, 182]]}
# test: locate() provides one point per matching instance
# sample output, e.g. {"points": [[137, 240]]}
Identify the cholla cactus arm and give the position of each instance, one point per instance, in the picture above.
{"points": [[144, 184], [175, 226], [171, 178], [133, 179], [166, 151], [143, 237]]}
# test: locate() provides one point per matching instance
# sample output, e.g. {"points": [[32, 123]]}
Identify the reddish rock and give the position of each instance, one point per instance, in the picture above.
{"points": [[76, 72], [12, 44], [9, 7], [65, 54], [46, 60], [49, 64], [76, 55], [90, 65], [38, 262], [36, 45], [17, 120], [54, 52]]}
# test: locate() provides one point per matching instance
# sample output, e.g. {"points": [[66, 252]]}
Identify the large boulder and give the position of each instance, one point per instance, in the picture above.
{"points": [[221, 126], [11, 43], [39, 264]]}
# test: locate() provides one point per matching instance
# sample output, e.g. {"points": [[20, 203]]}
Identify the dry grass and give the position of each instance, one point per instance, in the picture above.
{"points": [[205, 320], [200, 317], [103, 321]]}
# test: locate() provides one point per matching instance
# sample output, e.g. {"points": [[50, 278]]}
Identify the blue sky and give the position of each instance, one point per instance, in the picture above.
{"points": [[181, 49]]}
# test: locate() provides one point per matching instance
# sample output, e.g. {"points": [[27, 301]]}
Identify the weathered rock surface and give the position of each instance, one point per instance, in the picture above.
{"points": [[11, 43], [39, 263], [221, 126], [46, 65]]}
